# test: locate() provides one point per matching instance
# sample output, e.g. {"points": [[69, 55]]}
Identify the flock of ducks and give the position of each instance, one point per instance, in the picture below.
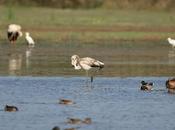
{"points": [[72, 121], [145, 86]]}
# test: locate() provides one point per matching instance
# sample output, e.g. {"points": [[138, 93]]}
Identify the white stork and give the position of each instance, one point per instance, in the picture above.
{"points": [[13, 32]]}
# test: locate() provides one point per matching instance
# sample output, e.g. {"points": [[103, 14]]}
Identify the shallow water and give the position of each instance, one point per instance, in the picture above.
{"points": [[35, 78], [120, 58], [111, 103]]}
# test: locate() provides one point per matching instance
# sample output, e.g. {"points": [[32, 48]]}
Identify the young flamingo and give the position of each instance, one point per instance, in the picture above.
{"points": [[86, 63]]}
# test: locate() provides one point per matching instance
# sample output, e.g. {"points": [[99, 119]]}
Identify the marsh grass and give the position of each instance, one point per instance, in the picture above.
{"points": [[10, 14], [88, 25]]}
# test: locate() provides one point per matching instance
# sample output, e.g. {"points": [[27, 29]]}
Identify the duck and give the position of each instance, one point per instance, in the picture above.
{"points": [[146, 86], [74, 121], [79, 121], [56, 128], [10, 108], [66, 102], [170, 83], [87, 121], [70, 129]]}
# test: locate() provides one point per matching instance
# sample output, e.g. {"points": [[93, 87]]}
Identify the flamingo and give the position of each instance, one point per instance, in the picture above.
{"points": [[86, 63]]}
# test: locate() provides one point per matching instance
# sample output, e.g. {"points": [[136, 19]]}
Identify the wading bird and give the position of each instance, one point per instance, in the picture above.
{"points": [[13, 32], [29, 39], [172, 42], [86, 63]]}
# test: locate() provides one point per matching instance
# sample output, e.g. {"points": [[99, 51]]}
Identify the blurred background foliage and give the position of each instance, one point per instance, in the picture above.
{"points": [[111, 4]]}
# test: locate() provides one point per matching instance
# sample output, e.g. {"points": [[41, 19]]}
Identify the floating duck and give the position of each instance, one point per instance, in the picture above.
{"points": [[66, 102], [170, 85], [70, 129], [87, 121], [74, 121], [146, 86], [10, 108], [56, 128], [79, 121]]}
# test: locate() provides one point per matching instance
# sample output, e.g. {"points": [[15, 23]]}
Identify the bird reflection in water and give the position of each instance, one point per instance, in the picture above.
{"points": [[15, 63], [171, 56], [28, 55]]}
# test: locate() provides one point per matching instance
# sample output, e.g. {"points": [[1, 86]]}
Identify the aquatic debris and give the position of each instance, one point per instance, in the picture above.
{"points": [[10, 108], [66, 102], [79, 121], [146, 86], [56, 128]]}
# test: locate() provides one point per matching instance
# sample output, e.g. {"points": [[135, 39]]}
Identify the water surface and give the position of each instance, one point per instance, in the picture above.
{"points": [[112, 103], [120, 58], [35, 78]]}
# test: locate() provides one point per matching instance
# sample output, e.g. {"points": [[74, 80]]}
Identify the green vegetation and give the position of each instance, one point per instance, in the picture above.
{"points": [[96, 25], [86, 4]]}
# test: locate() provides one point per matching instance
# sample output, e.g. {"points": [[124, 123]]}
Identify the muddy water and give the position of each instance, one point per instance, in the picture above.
{"points": [[120, 58]]}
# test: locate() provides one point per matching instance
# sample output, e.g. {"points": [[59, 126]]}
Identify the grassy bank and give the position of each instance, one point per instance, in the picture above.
{"points": [[89, 25]]}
